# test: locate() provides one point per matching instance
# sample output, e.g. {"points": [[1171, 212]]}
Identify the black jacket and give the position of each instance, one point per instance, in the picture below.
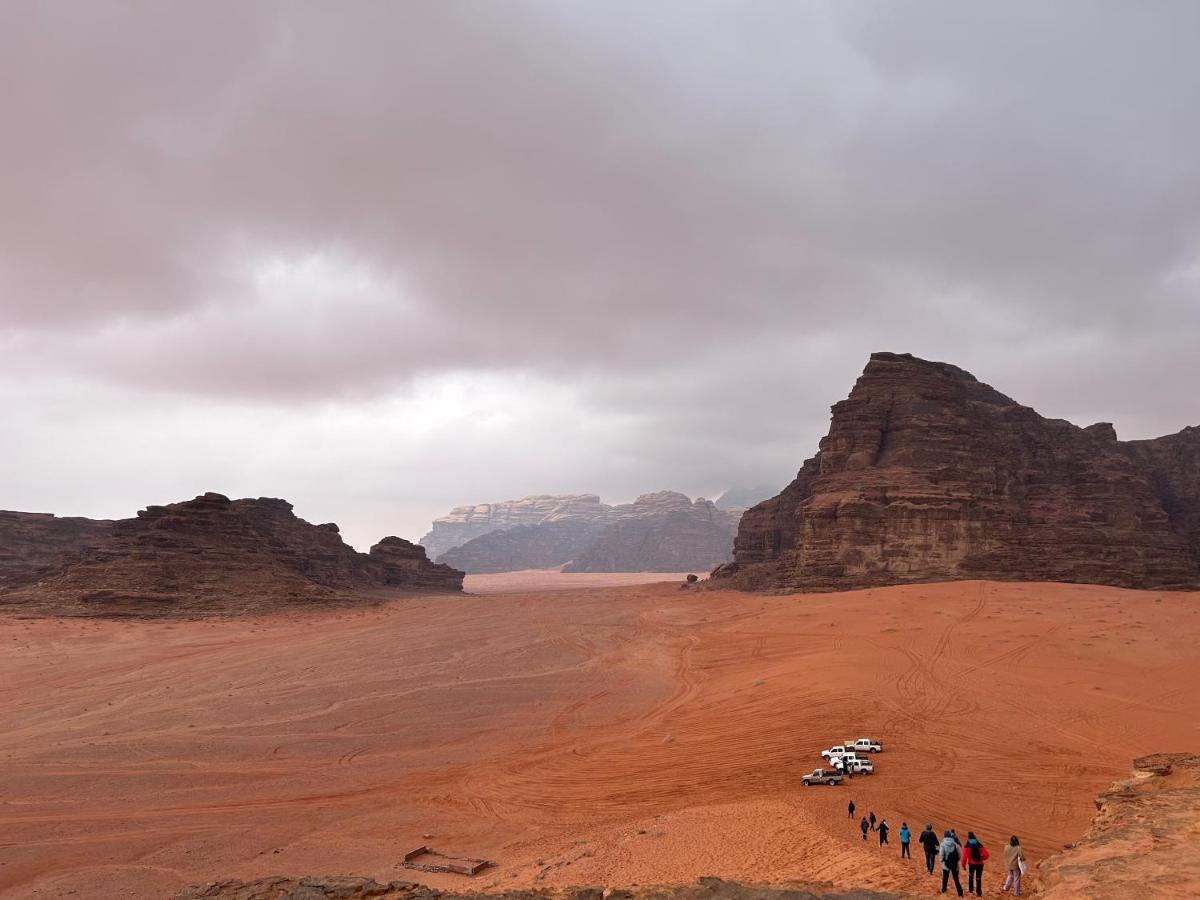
{"points": [[929, 841]]}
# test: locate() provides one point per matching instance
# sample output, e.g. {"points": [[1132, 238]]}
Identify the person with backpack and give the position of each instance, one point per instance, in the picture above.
{"points": [[883, 832], [1014, 862], [929, 840], [864, 826], [851, 809], [951, 855], [905, 837], [974, 853]]}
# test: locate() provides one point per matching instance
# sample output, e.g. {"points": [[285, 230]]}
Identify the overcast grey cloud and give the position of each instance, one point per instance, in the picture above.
{"points": [[383, 258]]}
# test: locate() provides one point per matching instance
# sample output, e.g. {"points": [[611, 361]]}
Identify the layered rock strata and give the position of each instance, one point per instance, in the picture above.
{"points": [[929, 475], [34, 545], [216, 555]]}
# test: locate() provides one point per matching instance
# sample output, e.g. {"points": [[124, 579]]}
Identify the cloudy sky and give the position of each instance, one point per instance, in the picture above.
{"points": [[385, 258]]}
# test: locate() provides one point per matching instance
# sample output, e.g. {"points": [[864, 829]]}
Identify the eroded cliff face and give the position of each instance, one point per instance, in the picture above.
{"points": [[928, 475], [216, 555], [34, 545], [1142, 842]]}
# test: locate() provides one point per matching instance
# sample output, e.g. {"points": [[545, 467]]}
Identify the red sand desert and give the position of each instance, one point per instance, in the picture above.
{"points": [[615, 735]]}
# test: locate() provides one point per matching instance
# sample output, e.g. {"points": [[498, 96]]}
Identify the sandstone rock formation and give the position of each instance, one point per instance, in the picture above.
{"points": [[1142, 840], [929, 475], [213, 554], [463, 523], [33, 545], [659, 532]]}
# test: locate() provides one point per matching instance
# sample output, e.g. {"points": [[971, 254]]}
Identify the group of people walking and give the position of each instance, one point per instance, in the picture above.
{"points": [[951, 854]]}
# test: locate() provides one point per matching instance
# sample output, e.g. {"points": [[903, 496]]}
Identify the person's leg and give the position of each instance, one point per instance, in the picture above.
{"points": [[929, 861], [957, 883], [945, 879], [1017, 882], [970, 878]]}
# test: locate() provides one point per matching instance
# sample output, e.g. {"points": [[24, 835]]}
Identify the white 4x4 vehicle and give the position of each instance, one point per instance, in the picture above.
{"points": [[854, 765], [836, 751], [863, 745]]}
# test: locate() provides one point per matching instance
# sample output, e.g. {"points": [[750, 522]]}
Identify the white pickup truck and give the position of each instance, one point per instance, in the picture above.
{"points": [[854, 765], [863, 745], [837, 751], [822, 776]]}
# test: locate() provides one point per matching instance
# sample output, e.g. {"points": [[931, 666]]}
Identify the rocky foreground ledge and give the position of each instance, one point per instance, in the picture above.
{"points": [[1143, 843], [350, 888], [1144, 840]]}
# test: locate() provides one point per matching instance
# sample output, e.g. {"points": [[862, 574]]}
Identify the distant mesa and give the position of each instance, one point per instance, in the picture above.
{"points": [[203, 556], [930, 475], [464, 523], [659, 532], [742, 498]]}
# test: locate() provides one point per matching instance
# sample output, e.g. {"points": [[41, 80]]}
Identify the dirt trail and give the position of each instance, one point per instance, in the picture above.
{"points": [[631, 734]]}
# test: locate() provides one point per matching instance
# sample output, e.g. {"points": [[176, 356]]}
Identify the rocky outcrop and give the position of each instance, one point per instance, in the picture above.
{"points": [[345, 887], [216, 555], [397, 563], [929, 475], [661, 532], [464, 523], [1142, 840], [33, 545]]}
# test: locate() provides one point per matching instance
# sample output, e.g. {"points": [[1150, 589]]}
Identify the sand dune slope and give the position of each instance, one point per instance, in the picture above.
{"points": [[635, 734]]}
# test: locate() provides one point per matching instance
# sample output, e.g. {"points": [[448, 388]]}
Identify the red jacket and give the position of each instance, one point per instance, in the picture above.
{"points": [[967, 856]]}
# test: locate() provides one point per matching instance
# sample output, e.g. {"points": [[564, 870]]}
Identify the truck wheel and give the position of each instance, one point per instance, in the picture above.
{"points": [[832, 781], [805, 780]]}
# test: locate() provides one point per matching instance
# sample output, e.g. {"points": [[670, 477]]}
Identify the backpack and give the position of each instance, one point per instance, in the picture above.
{"points": [[952, 858]]}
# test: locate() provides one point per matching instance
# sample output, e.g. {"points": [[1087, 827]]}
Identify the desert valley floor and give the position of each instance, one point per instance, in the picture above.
{"points": [[623, 734]]}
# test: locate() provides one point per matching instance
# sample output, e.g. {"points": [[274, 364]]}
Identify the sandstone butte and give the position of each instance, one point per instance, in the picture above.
{"points": [[930, 475], [202, 556], [664, 531]]}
